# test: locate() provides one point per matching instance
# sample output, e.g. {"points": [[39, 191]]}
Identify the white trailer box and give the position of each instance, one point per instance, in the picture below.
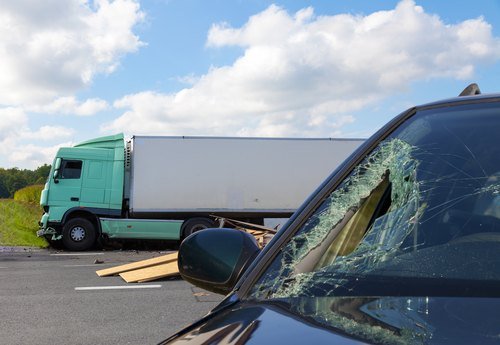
{"points": [[229, 176]]}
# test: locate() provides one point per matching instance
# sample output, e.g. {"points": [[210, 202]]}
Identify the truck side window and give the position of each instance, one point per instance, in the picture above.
{"points": [[71, 169]]}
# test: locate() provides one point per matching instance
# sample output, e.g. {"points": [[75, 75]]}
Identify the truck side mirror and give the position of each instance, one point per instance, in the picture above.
{"points": [[57, 166], [214, 259]]}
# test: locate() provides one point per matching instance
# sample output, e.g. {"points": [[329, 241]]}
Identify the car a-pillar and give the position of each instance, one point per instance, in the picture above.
{"points": [[192, 225], [79, 232]]}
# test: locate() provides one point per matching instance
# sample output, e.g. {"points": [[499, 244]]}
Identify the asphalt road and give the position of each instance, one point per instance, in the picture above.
{"points": [[42, 300]]}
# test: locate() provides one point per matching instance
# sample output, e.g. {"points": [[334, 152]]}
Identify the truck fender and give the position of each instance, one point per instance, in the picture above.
{"points": [[77, 212], [89, 212]]}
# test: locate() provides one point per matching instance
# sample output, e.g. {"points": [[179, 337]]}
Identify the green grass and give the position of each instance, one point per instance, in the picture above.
{"points": [[29, 194], [19, 223]]}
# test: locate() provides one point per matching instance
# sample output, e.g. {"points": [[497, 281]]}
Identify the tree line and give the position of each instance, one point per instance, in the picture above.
{"points": [[14, 179]]}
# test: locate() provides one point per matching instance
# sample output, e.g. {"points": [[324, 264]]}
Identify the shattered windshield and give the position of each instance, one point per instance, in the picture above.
{"points": [[420, 211]]}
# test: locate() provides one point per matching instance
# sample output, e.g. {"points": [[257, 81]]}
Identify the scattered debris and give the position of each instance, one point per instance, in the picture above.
{"points": [[151, 273], [145, 270], [261, 233], [166, 265], [200, 294], [137, 265]]}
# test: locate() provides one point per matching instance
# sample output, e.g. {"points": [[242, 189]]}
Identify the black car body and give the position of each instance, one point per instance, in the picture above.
{"points": [[400, 245]]}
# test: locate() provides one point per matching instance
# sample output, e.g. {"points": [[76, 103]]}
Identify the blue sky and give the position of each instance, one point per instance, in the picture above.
{"points": [[75, 70]]}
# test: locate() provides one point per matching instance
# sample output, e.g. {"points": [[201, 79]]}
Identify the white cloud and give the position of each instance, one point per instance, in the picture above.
{"points": [[71, 106], [31, 156], [15, 133], [303, 74], [48, 133], [50, 50], [13, 121], [54, 48]]}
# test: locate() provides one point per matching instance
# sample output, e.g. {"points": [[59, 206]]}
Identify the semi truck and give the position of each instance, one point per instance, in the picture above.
{"points": [[165, 188]]}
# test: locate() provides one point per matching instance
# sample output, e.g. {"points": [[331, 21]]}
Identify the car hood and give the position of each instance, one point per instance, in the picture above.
{"points": [[352, 320]]}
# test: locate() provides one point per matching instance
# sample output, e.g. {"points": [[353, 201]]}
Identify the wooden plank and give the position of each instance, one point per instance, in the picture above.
{"points": [[174, 274], [151, 273], [256, 232], [238, 222], [137, 265]]}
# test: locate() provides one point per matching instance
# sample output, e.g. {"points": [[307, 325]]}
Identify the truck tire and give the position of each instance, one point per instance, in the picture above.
{"points": [[196, 224], [79, 234]]}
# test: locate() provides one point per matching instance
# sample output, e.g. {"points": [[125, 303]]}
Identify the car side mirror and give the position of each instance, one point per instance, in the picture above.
{"points": [[214, 259]]}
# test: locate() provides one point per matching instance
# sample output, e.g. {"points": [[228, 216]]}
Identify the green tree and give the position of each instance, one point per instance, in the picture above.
{"points": [[13, 179], [41, 174]]}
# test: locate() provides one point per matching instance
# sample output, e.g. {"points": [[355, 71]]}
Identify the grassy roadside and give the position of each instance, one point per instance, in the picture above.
{"points": [[29, 194], [19, 223]]}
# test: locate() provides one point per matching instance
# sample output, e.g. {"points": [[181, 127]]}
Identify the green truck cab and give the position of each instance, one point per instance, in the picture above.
{"points": [[85, 183]]}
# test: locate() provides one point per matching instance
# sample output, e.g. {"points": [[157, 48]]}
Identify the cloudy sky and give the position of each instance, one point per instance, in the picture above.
{"points": [[72, 70]]}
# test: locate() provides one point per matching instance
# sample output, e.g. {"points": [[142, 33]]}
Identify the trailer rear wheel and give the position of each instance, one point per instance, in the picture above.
{"points": [[196, 224], [79, 234]]}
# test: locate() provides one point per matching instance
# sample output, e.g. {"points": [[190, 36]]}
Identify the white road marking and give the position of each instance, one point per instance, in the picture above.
{"points": [[3, 267], [89, 265], [87, 288], [75, 254]]}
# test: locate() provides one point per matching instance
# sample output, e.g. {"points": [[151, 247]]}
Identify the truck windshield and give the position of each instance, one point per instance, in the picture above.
{"points": [[419, 216]]}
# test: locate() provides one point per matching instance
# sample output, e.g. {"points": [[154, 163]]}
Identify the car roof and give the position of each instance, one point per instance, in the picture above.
{"points": [[462, 99]]}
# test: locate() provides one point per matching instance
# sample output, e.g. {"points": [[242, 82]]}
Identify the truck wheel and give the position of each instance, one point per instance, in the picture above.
{"points": [[196, 224], [79, 234]]}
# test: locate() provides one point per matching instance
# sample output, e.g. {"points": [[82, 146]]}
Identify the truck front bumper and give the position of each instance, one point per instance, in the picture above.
{"points": [[49, 233], [46, 229]]}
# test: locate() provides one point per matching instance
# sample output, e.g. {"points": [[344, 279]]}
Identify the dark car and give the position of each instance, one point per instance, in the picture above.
{"points": [[401, 245]]}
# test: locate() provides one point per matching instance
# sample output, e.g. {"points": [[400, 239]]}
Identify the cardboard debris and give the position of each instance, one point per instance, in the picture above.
{"points": [[138, 265]]}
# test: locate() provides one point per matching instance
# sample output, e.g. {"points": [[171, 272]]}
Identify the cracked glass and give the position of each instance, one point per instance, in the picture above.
{"points": [[419, 216]]}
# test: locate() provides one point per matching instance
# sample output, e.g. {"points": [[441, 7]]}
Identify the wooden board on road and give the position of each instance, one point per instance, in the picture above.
{"points": [[164, 259], [151, 273]]}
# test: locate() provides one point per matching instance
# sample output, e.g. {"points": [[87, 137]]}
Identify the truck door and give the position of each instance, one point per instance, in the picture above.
{"points": [[94, 184], [66, 186]]}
